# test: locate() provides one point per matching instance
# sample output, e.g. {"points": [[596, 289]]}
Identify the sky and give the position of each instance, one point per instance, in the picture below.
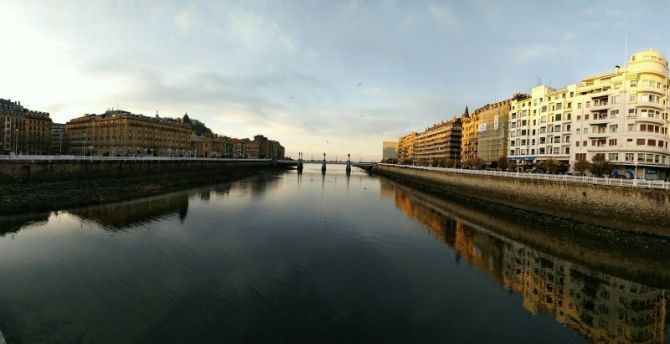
{"points": [[319, 76]]}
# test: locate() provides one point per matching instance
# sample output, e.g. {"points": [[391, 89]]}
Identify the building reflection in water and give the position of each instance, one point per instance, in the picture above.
{"points": [[12, 224], [602, 307], [121, 216]]}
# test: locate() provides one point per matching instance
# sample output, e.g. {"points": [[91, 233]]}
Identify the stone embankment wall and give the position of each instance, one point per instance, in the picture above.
{"points": [[60, 170], [630, 209]]}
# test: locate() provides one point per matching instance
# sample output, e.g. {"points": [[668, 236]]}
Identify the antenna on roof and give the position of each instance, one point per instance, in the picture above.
{"points": [[625, 50]]}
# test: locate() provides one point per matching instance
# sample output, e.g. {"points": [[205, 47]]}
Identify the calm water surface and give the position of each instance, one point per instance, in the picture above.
{"points": [[294, 258]]}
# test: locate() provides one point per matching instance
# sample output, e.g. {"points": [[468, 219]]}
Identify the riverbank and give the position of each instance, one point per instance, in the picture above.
{"points": [[21, 198], [636, 210]]}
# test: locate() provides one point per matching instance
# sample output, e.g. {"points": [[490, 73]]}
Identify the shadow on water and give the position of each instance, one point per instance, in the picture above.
{"points": [[619, 305]]}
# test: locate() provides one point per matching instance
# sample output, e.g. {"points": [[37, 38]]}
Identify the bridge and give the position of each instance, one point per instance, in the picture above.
{"points": [[363, 165]]}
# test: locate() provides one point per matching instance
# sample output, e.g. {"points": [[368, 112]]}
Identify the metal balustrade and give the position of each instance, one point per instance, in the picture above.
{"points": [[638, 183]]}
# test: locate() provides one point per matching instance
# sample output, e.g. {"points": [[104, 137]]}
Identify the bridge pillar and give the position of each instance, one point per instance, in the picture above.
{"points": [[323, 164], [348, 163]]}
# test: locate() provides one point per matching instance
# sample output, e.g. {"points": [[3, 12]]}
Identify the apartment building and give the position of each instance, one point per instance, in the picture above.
{"points": [[493, 122], [23, 131], [406, 146], [622, 114], [390, 150], [121, 133], [441, 141], [469, 136]]}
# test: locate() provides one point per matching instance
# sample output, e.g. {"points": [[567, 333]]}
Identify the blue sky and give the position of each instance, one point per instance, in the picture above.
{"points": [[320, 76]]}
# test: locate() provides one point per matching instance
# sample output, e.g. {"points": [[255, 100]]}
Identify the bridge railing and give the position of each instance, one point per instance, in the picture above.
{"points": [[638, 183]]}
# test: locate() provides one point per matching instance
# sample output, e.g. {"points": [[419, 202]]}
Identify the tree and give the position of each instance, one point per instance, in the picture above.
{"points": [[581, 166], [600, 166], [503, 163], [551, 166]]}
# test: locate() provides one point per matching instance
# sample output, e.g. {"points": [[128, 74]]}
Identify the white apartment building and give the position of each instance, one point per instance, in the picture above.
{"points": [[622, 114]]}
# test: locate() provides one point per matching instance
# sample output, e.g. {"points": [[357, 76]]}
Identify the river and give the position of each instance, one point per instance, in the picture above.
{"points": [[282, 257]]}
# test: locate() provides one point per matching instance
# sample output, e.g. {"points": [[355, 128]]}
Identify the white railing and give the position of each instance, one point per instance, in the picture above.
{"points": [[639, 183], [115, 158]]}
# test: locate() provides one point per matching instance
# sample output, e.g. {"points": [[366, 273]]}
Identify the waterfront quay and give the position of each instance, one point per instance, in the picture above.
{"points": [[625, 205]]}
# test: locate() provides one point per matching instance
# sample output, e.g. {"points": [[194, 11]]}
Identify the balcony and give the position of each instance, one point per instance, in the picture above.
{"points": [[598, 134], [660, 121], [651, 104], [600, 106], [653, 89]]}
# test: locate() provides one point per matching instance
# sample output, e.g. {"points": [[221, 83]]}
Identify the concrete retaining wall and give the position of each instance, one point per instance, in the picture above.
{"points": [[59, 170], [630, 209]]}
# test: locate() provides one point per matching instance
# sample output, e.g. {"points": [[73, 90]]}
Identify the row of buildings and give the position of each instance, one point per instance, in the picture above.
{"points": [[621, 113], [121, 133]]}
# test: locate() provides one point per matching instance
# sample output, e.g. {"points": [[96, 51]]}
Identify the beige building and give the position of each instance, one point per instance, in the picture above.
{"points": [[441, 141], [23, 131], [492, 130], [120, 133], [622, 113], [406, 146], [390, 150]]}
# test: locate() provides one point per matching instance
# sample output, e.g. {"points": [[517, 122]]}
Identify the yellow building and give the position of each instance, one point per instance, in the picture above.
{"points": [[470, 138], [441, 142], [120, 133], [406, 147], [23, 131]]}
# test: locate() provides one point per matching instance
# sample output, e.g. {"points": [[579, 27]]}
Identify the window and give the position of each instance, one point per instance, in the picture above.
{"points": [[615, 99], [586, 130], [614, 113], [651, 142], [580, 156], [577, 143], [614, 128], [640, 157], [578, 130], [631, 98], [612, 142], [586, 117], [579, 105], [629, 157], [640, 142], [587, 104], [585, 143], [631, 127], [633, 83], [613, 157]]}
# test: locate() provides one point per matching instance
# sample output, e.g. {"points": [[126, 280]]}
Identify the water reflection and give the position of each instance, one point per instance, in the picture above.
{"points": [[602, 307], [12, 224], [127, 215], [288, 257]]}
